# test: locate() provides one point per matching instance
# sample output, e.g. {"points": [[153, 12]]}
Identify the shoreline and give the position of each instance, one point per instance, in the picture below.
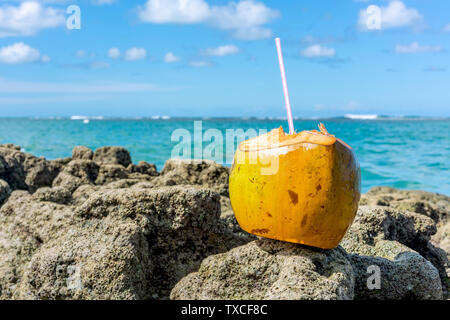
{"points": [[117, 230]]}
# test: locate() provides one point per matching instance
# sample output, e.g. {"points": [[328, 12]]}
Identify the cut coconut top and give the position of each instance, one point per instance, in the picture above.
{"points": [[278, 138]]}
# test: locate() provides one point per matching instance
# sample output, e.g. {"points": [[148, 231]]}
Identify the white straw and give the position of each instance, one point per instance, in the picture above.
{"points": [[285, 87]]}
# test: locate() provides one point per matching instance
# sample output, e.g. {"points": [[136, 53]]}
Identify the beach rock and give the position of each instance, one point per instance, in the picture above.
{"points": [[269, 269], [112, 155], [82, 153], [5, 191], [77, 173], [143, 168], [41, 219], [83, 192], [57, 194], [433, 205], [39, 173], [123, 183], [206, 173], [403, 274], [11, 168], [25, 224], [110, 173], [128, 244], [442, 239], [10, 146], [436, 206], [398, 238], [24, 171], [61, 162]]}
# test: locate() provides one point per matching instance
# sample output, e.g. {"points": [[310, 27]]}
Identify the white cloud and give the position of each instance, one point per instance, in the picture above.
{"points": [[415, 47], [174, 11], [447, 28], [200, 64], [222, 51], [245, 19], [317, 51], [114, 53], [18, 53], [134, 54], [170, 58], [28, 18], [45, 59], [395, 15]]}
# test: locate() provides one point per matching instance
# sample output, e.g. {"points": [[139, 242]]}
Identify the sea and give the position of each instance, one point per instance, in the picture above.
{"points": [[405, 153]]}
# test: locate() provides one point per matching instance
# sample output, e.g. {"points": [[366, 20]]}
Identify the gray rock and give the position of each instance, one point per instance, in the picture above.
{"points": [[143, 168], [25, 224], [112, 155], [82, 153], [268, 269], [433, 205], [384, 233], [111, 172], [127, 244], [24, 171], [61, 162], [57, 194], [205, 173], [5, 191], [39, 173], [10, 146], [83, 192], [77, 173], [404, 274]]}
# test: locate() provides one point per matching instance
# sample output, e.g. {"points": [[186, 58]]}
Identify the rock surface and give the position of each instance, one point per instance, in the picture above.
{"points": [[24, 171], [5, 191], [269, 269], [82, 153], [195, 172], [112, 155], [96, 226], [398, 243], [128, 244], [432, 205]]}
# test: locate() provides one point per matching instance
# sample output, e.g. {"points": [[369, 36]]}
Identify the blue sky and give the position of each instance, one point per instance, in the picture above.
{"points": [[218, 58]]}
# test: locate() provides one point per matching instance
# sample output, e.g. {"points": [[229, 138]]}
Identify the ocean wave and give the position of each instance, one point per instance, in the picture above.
{"points": [[361, 116]]}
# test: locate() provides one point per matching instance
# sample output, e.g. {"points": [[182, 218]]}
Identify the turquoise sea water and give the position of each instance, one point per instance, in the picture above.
{"points": [[407, 154]]}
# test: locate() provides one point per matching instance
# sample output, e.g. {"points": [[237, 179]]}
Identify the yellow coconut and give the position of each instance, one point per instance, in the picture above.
{"points": [[302, 188]]}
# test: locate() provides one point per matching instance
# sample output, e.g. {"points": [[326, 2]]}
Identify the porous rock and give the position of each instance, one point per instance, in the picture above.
{"points": [[128, 244], [77, 173], [205, 173], [269, 269], [5, 191], [82, 153], [57, 194], [111, 172], [112, 155], [400, 242]]}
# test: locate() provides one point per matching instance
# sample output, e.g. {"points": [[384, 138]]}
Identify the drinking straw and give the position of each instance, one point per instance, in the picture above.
{"points": [[285, 87]]}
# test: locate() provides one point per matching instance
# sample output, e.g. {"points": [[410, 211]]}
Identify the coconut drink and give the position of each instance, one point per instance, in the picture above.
{"points": [[310, 197], [298, 187]]}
